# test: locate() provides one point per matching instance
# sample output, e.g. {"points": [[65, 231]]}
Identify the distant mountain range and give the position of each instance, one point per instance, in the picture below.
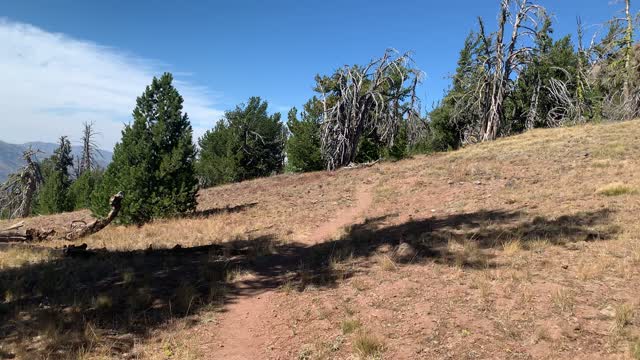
{"points": [[11, 155]]}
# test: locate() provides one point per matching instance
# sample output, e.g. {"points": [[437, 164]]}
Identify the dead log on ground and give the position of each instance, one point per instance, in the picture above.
{"points": [[78, 228], [25, 235], [79, 231]]}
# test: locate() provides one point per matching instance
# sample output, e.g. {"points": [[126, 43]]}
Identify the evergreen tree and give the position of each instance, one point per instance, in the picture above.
{"points": [[54, 194], [154, 162], [217, 161], [248, 143], [456, 112], [81, 190], [535, 101], [303, 144]]}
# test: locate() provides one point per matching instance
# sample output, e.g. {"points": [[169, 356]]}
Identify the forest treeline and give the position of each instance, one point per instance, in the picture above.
{"points": [[516, 78]]}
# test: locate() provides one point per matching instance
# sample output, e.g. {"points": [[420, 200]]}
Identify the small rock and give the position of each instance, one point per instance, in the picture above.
{"points": [[565, 266], [405, 252], [450, 182], [478, 182], [608, 312], [580, 245], [384, 248]]}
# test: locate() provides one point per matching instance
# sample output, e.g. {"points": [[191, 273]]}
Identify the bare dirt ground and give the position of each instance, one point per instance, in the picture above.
{"points": [[525, 248]]}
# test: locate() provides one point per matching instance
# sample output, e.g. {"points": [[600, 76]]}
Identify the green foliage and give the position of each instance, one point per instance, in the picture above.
{"points": [[248, 143], [552, 61], [82, 188], [154, 162], [370, 148], [400, 148], [303, 144], [455, 112], [444, 133], [217, 163], [53, 196]]}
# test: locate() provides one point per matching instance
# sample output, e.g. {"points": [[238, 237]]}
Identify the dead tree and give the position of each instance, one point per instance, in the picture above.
{"points": [[77, 228], [359, 100], [18, 192], [82, 229], [87, 160], [503, 57], [627, 44]]}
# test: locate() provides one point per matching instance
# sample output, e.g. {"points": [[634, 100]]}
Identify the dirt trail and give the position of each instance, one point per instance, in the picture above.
{"points": [[364, 199], [246, 329]]}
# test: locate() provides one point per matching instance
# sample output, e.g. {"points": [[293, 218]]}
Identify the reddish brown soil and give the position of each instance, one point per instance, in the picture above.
{"points": [[520, 255]]}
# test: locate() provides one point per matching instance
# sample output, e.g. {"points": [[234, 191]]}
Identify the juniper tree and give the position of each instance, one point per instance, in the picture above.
{"points": [[153, 164]]}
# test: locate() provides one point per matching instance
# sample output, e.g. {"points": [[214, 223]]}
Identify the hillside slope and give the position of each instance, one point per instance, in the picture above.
{"points": [[526, 247]]}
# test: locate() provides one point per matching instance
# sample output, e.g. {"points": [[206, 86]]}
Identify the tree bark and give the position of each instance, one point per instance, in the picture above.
{"points": [[14, 233], [93, 227]]}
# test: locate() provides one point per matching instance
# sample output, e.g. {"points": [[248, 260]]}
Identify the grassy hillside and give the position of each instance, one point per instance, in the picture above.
{"points": [[526, 247]]}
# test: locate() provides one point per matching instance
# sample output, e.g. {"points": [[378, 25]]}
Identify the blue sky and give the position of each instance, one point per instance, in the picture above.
{"points": [[88, 60]]}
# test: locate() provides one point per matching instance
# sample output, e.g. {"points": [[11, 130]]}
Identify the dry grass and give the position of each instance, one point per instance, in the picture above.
{"points": [[367, 345], [350, 325], [635, 349], [564, 300], [512, 247], [509, 241], [17, 257], [624, 315], [616, 189], [386, 263]]}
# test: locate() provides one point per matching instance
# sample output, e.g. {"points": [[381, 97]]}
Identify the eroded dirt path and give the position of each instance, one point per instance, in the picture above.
{"points": [[346, 217], [249, 327]]}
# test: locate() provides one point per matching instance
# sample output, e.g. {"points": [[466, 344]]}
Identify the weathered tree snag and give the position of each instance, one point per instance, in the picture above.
{"points": [[25, 235], [79, 231], [17, 193], [358, 100], [504, 57]]}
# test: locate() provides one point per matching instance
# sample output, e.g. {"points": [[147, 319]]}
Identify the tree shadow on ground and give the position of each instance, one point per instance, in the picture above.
{"points": [[455, 240], [222, 210], [66, 305]]}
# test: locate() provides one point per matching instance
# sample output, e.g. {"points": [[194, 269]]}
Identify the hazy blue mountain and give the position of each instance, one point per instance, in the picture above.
{"points": [[11, 155]]}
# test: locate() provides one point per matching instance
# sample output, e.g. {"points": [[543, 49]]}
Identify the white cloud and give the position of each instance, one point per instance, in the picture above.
{"points": [[50, 83]]}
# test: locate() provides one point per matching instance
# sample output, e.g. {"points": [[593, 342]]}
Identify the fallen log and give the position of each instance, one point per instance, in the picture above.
{"points": [[77, 228], [25, 235], [84, 229], [15, 226]]}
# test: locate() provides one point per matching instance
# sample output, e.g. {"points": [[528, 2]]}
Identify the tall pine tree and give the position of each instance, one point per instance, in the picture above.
{"points": [[154, 162], [54, 194]]}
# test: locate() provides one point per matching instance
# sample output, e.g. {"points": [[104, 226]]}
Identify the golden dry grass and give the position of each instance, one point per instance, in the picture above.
{"points": [[515, 238]]}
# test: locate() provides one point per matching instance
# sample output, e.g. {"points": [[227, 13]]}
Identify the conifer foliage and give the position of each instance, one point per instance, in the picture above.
{"points": [[303, 144], [154, 162], [246, 144], [54, 194]]}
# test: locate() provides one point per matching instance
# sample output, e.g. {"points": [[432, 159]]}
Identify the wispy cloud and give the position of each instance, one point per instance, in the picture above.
{"points": [[51, 83]]}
